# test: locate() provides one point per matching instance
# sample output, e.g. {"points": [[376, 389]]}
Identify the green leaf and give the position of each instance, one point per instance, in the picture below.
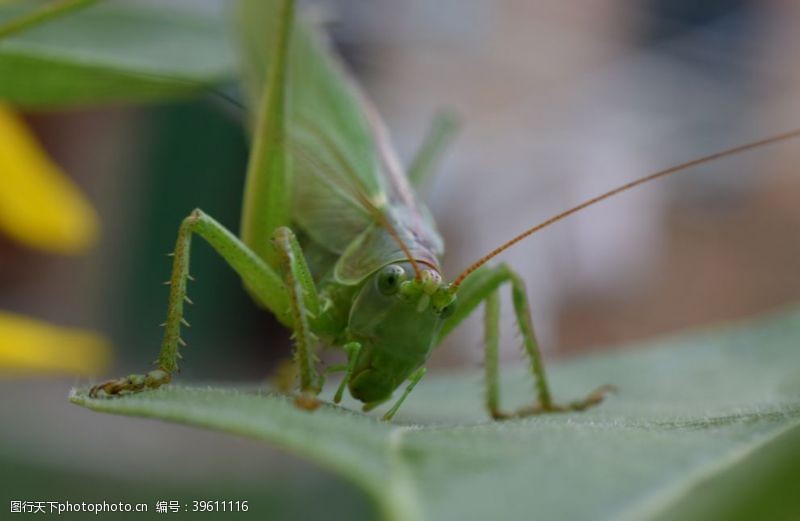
{"points": [[113, 52], [698, 417]]}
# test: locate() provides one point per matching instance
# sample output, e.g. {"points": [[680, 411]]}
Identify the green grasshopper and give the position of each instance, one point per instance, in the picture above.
{"points": [[334, 243]]}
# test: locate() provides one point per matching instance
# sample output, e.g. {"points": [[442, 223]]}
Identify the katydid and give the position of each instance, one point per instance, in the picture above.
{"points": [[334, 243]]}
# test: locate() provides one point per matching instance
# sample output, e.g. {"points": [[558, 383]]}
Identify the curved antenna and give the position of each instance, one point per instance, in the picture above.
{"points": [[663, 173]]}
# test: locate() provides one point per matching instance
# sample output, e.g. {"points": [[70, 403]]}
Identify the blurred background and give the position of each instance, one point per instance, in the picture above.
{"points": [[558, 102]]}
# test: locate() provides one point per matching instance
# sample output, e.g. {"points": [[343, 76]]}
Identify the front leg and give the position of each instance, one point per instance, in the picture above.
{"points": [[264, 284], [483, 286], [305, 306], [413, 380]]}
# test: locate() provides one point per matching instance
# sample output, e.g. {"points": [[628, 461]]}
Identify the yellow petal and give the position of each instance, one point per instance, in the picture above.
{"points": [[39, 205], [29, 346]]}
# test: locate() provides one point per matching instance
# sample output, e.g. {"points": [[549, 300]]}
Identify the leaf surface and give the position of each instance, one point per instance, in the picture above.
{"points": [[695, 413]]}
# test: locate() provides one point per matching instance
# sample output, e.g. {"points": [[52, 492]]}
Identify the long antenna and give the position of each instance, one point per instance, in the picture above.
{"points": [[663, 173]]}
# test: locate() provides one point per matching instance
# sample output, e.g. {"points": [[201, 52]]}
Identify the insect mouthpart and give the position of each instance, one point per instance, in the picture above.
{"points": [[431, 280], [443, 302], [423, 291], [427, 292]]}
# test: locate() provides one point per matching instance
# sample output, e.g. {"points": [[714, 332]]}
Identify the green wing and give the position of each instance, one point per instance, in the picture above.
{"points": [[343, 169]]}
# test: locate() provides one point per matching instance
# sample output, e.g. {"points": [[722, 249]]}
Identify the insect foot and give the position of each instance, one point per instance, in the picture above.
{"points": [[130, 384], [307, 401], [594, 398]]}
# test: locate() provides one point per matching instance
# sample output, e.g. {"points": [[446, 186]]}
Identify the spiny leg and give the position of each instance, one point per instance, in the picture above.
{"points": [[305, 307], [545, 403], [519, 298], [482, 287], [413, 380], [265, 285]]}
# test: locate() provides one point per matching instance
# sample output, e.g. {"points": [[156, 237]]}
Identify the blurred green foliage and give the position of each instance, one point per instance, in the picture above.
{"points": [[113, 51]]}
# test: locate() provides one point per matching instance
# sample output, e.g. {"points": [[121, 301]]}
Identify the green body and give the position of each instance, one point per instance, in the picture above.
{"points": [[342, 172], [334, 242]]}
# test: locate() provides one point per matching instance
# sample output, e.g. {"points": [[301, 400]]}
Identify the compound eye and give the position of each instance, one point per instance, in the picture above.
{"points": [[390, 278]]}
